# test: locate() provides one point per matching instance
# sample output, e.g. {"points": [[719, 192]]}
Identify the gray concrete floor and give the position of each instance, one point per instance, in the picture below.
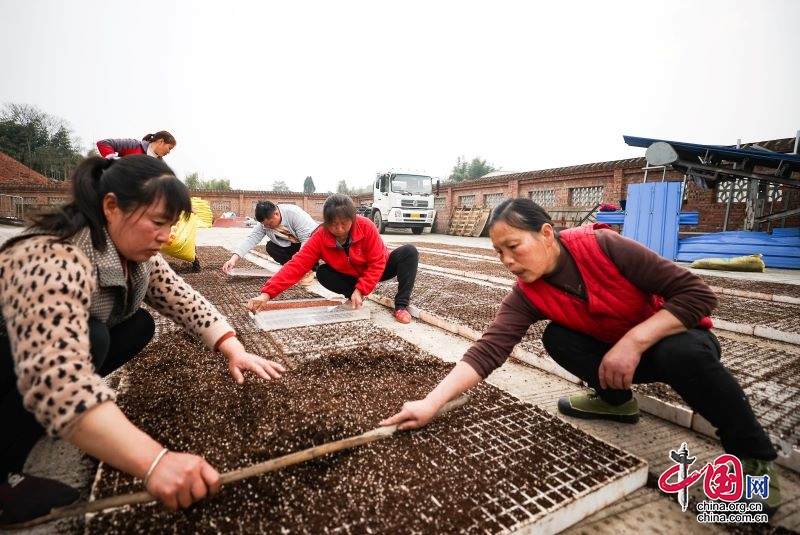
{"points": [[644, 511]]}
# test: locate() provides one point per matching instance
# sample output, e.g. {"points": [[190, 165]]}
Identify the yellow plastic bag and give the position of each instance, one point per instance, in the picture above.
{"points": [[182, 237], [751, 262], [203, 210]]}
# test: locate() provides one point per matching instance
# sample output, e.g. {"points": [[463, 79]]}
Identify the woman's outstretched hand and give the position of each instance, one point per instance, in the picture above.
{"points": [[240, 359], [413, 415], [259, 303]]}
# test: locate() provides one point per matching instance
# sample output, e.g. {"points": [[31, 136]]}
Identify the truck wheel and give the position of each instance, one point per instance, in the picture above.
{"points": [[417, 230], [378, 220]]}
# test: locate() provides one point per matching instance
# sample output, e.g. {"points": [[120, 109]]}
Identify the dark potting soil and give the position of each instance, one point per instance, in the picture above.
{"points": [[494, 464], [490, 466]]}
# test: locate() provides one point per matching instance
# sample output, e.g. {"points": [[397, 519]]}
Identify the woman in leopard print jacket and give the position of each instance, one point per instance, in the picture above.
{"points": [[71, 287]]}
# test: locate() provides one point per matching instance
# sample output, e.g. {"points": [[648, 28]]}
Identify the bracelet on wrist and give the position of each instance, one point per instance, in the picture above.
{"points": [[154, 464], [229, 334]]}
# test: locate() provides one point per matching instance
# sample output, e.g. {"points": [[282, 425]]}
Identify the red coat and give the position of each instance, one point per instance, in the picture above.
{"points": [[123, 147], [614, 304], [366, 260]]}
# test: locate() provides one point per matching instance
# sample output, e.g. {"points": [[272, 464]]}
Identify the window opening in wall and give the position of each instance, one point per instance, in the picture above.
{"points": [[56, 201], [466, 200], [493, 199], [735, 191], [12, 206], [586, 196], [221, 206], [440, 203], [543, 197]]}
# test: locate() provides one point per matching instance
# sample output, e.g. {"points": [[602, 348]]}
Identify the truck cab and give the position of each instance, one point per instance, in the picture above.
{"points": [[402, 200]]}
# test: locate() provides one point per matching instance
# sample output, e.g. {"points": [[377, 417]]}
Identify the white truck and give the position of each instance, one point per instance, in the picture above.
{"points": [[402, 200]]}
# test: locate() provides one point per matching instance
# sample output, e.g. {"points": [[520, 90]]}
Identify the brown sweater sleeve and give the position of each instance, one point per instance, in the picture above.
{"points": [[686, 295], [515, 315]]}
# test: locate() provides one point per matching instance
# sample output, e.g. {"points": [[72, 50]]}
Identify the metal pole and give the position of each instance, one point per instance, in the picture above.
{"points": [[730, 193]]}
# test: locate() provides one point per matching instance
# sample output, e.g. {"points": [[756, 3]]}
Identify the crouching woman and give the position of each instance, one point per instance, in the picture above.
{"points": [[71, 289], [620, 315]]}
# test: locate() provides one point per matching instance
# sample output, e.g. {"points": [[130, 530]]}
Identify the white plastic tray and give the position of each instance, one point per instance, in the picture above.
{"points": [[270, 320]]}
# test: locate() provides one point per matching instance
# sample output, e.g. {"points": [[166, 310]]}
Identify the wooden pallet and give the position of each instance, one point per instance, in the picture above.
{"points": [[468, 220]]}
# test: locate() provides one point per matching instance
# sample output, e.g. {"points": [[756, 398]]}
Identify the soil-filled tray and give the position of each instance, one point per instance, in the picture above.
{"points": [[494, 465]]}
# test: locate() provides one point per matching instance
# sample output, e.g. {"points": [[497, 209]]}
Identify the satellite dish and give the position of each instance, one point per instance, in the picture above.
{"points": [[661, 153]]}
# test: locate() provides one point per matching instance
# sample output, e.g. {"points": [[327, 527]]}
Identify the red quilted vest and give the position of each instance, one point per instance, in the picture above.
{"points": [[614, 304]]}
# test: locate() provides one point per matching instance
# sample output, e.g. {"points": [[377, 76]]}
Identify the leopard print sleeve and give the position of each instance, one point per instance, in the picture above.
{"points": [[45, 290], [171, 296]]}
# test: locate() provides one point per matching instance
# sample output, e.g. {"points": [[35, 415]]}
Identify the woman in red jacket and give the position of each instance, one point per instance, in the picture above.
{"points": [[355, 257], [156, 145], [620, 315]]}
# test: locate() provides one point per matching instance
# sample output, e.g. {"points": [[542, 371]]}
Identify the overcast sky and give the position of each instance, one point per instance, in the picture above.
{"points": [[262, 91]]}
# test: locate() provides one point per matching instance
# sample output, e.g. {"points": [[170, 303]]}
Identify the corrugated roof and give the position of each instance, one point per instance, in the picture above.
{"points": [[752, 153]]}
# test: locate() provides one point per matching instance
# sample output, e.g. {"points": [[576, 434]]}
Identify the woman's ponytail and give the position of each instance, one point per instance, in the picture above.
{"points": [[136, 181]]}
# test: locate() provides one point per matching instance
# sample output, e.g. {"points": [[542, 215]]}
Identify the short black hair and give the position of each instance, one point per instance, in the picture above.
{"points": [[136, 181], [264, 210], [338, 206]]}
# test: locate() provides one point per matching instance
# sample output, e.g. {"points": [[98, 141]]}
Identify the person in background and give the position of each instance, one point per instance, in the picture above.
{"points": [[620, 314], [156, 145], [286, 226], [355, 257], [71, 289]]}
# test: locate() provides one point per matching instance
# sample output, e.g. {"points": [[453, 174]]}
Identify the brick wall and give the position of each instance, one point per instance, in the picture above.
{"points": [[574, 188], [242, 202]]}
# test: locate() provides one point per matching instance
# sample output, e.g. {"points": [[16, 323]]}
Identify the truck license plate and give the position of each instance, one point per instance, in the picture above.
{"points": [[416, 215]]}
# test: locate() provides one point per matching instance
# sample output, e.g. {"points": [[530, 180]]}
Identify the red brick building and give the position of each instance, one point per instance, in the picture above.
{"points": [[568, 193]]}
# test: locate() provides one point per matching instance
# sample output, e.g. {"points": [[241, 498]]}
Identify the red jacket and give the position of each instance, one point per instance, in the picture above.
{"points": [[123, 147], [614, 304], [366, 260]]}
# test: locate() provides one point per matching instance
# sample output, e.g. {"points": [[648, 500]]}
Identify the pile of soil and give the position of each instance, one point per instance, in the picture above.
{"points": [[432, 480], [493, 465]]}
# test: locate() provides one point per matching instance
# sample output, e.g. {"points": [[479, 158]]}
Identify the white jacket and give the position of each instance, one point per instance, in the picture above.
{"points": [[294, 218]]}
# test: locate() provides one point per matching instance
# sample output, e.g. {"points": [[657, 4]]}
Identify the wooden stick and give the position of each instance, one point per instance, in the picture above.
{"points": [[228, 477]]}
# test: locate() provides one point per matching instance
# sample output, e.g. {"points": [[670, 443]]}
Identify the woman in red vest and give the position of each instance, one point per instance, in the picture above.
{"points": [[620, 314]]}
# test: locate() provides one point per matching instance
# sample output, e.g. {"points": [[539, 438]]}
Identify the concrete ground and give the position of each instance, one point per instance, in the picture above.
{"points": [[644, 511]]}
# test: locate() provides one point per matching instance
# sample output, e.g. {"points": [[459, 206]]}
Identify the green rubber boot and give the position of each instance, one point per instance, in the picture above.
{"points": [[590, 406], [759, 468]]}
